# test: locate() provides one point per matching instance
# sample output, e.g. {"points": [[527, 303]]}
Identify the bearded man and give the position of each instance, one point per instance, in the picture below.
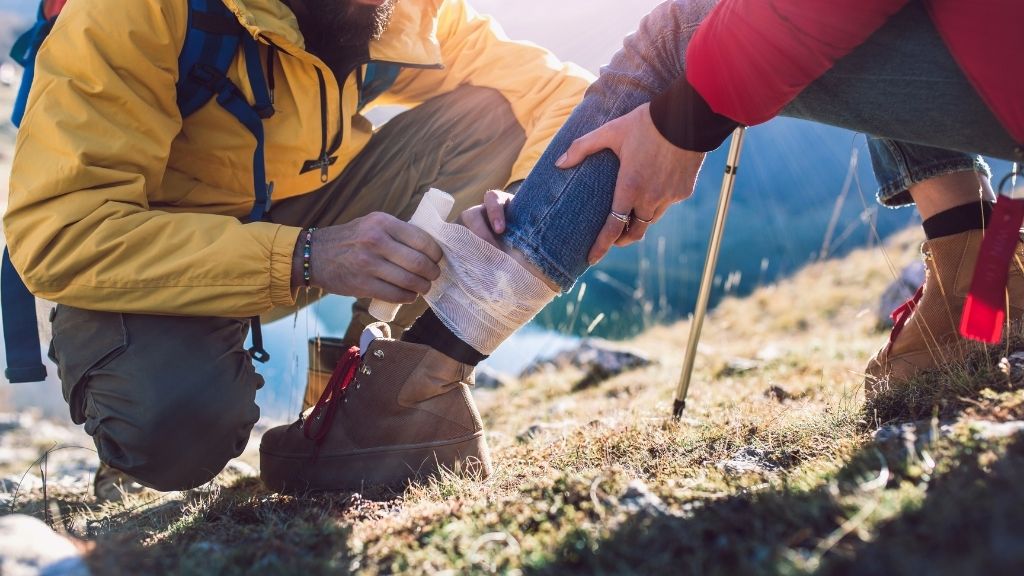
{"points": [[136, 222]]}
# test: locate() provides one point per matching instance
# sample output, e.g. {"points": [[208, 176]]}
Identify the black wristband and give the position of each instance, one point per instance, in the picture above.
{"points": [[684, 118]]}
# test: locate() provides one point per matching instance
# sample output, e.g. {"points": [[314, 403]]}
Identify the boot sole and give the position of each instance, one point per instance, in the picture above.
{"points": [[354, 471]]}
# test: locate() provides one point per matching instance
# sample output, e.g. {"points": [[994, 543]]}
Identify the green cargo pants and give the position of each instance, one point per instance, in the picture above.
{"points": [[169, 400]]}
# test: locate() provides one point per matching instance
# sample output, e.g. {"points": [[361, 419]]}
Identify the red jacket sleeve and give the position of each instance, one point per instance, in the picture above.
{"points": [[752, 57]]}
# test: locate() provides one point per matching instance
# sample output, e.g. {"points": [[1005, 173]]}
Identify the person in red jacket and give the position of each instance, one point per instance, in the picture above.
{"points": [[929, 82], [926, 80]]}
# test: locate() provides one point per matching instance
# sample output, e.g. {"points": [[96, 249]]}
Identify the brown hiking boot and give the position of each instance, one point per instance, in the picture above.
{"points": [[401, 411], [927, 330], [324, 355]]}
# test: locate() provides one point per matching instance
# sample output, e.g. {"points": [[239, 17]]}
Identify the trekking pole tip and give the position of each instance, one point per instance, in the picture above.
{"points": [[678, 408]]}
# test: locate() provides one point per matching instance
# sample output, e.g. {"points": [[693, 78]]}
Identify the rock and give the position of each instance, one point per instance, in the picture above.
{"points": [[28, 547], [770, 353], [901, 290], [11, 422], [907, 444], [490, 379], [1013, 367], [749, 460], [638, 499], [598, 359], [18, 483], [778, 394], [737, 366], [538, 428], [986, 430]]}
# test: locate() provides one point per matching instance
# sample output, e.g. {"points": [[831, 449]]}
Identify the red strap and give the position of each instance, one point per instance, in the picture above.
{"points": [[985, 309], [53, 7], [318, 423], [902, 314]]}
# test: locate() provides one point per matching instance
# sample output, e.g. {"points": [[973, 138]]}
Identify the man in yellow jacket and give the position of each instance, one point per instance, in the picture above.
{"points": [[133, 219]]}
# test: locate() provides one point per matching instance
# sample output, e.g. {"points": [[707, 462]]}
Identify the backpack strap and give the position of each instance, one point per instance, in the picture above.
{"points": [[24, 52], [212, 42], [21, 332]]}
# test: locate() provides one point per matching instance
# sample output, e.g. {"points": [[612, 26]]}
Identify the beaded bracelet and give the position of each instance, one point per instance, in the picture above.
{"points": [[307, 253]]}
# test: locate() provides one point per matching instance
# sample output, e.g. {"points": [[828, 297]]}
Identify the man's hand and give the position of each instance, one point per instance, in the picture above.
{"points": [[653, 175], [377, 256]]}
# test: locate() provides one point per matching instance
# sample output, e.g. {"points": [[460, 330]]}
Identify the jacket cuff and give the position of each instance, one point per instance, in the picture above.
{"points": [[685, 119], [281, 252]]}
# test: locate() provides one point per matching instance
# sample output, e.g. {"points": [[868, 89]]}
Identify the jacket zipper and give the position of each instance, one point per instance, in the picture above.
{"points": [[324, 162], [326, 159]]}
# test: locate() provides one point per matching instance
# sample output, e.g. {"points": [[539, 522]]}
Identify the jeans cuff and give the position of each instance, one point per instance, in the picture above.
{"points": [[538, 257], [895, 191]]}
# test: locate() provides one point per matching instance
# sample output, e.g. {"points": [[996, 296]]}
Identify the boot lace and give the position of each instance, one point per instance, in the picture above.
{"points": [[901, 315], [318, 423]]}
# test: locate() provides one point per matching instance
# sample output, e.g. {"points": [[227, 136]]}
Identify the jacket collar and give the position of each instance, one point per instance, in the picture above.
{"points": [[411, 38]]}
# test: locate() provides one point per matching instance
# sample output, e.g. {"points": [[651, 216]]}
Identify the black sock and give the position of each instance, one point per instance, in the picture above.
{"points": [[430, 331], [973, 216]]}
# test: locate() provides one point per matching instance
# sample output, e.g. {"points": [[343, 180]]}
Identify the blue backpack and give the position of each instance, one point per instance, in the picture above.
{"points": [[213, 39]]}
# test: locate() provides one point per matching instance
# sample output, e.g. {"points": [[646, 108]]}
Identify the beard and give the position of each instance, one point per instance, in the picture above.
{"points": [[344, 24]]}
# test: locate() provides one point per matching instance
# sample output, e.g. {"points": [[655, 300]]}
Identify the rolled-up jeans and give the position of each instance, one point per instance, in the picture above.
{"points": [[901, 87]]}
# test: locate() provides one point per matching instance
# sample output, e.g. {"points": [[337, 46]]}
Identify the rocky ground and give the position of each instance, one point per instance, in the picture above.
{"points": [[778, 467]]}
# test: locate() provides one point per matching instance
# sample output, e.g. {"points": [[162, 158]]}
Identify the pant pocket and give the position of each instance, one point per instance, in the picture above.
{"points": [[83, 342]]}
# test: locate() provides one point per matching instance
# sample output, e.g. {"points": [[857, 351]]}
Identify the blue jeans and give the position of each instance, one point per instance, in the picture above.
{"points": [[878, 89]]}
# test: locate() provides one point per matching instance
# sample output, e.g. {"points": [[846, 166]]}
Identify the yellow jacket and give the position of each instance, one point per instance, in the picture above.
{"points": [[117, 205]]}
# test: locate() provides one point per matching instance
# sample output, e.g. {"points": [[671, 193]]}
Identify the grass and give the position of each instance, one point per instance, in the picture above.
{"points": [[599, 481]]}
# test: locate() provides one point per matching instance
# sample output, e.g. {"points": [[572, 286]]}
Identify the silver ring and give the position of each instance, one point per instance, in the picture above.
{"points": [[624, 218]]}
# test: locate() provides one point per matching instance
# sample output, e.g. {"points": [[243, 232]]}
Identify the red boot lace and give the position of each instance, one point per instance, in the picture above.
{"points": [[318, 423], [901, 315]]}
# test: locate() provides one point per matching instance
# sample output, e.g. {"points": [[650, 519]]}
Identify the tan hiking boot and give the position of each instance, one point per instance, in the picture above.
{"points": [[927, 331], [401, 411], [324, 354], [112, 485]]}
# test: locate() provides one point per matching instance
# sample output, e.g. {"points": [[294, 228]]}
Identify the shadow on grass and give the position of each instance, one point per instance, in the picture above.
{"points": [[964, 519], [241, 529]]}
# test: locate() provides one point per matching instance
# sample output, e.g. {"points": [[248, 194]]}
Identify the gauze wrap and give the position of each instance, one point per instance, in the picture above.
{"points": [[483, 295]]}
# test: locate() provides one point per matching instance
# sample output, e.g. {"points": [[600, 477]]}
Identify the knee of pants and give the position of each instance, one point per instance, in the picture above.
{"points": [[176, 446], [168, 400]]}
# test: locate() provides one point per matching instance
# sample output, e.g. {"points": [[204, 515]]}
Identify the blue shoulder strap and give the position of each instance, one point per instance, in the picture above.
{"points": [[21, 333], [212, 41], [24, 52], [211, 44]]}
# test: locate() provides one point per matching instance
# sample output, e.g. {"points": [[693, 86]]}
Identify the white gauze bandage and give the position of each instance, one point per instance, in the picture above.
{"points": [[483, 294]]}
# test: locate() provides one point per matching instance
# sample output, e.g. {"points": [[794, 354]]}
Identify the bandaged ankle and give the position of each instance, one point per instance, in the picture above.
{"points": [[483, 294]]}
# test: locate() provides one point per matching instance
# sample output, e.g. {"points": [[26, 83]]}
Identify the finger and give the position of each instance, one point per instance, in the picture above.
{"points": [[412, 261], [476, 220], [495, 208], [588, 144], [381, 290], [613, 228], [400, 277], [415, 238], [635, 233], [638, 228]]}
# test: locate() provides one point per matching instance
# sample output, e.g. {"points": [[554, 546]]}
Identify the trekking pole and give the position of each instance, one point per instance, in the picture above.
{"points": [[732, 164]]}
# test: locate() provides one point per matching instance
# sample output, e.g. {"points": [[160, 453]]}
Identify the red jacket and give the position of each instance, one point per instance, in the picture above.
{"points": [[750, 58]]}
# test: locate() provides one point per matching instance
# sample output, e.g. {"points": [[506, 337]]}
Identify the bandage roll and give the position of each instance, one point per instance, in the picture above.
{"points": [[435, 205]]}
